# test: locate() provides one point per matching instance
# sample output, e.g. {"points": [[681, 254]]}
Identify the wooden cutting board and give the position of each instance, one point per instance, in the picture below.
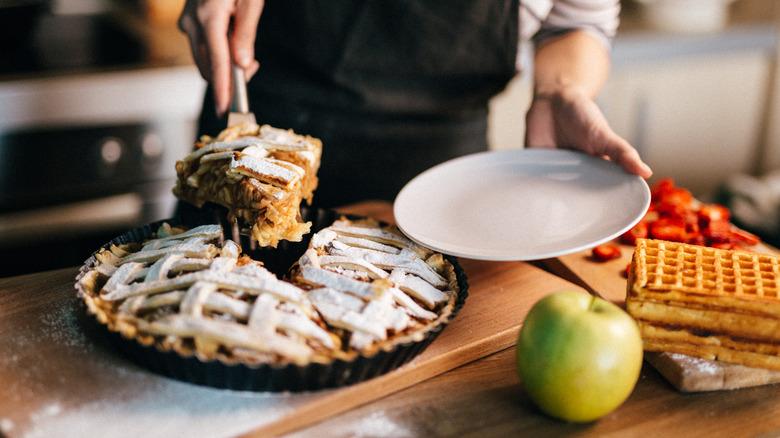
{"points": [[608, 280], [61, 378]]}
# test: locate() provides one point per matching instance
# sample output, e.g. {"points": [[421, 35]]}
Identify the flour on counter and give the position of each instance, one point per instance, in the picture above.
{"points": [[172, 409], [95, 391], [379, 425]]}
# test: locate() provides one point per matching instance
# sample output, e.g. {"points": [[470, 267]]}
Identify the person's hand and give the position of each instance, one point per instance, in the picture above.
{"points": [[573, 120], [222, 32]]}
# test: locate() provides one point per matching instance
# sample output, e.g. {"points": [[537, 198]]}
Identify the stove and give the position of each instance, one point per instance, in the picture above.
{"points": [[89, 135]]}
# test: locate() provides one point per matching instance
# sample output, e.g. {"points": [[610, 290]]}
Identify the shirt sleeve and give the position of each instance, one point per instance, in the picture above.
{"points": [[599, 18]]}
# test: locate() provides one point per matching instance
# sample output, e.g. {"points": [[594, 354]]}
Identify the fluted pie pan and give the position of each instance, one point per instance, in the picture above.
{"points": [[245, 371]]}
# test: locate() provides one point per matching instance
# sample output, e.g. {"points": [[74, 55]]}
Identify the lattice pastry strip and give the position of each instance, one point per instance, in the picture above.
{"points": [[216, 304], [195, 293], [371, 281]]}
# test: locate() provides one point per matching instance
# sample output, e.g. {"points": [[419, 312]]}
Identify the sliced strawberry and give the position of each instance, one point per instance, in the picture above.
{"points": [[605, 252]]}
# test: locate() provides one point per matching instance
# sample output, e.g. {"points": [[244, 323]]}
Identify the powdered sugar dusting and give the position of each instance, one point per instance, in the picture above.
{"points": [[173, 409], [61, 326], [702, 366], [377, 425], [61, 378]]}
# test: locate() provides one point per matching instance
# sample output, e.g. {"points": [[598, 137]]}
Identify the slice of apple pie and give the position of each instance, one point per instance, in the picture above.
{"points": [[260, 173]]}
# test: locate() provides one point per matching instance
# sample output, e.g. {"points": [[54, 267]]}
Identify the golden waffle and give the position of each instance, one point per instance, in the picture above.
{"points": [[260, 173], [706, 302]]}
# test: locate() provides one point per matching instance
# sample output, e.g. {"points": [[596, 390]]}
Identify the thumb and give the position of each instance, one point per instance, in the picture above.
{"points": [[623, 154], [242, 40]]}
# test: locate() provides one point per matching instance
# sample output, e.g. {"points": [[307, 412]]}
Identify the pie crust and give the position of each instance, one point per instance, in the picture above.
{"points": [[359, 292]]}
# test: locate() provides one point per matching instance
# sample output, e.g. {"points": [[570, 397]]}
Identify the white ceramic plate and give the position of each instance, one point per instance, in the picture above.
{"points": [[525, 204]]}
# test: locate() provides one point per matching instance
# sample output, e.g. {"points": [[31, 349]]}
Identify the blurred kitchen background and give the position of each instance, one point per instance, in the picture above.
{"points": [[98, 99]]}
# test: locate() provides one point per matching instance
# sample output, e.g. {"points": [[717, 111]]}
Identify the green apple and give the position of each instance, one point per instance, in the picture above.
{"points": [[578, 356]]}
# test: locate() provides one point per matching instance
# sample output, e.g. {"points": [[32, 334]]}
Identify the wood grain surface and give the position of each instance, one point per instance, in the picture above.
{"points": [[60, 377], [485, 399]]}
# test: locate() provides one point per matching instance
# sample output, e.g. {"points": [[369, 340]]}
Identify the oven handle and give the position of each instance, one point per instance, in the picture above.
{"points": [[69, 220]]}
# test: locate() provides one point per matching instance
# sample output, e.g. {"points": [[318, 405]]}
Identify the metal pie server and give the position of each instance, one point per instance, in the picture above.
{"points": [[240, 112]]}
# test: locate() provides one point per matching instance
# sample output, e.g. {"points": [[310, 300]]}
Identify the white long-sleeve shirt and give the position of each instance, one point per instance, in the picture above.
{"points": [[543, 19]]}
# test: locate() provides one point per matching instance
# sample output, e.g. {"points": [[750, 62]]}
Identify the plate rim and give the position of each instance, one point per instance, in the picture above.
{"points": [[483, 254]]}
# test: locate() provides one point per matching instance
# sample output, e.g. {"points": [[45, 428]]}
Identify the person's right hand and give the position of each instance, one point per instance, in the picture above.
{"points": [[222, 32]]}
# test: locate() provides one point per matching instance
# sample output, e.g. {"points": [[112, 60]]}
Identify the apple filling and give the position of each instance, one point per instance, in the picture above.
{"points": [[260, 173]]}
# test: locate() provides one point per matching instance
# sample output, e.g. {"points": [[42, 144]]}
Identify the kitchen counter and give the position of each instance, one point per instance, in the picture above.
{"points": [[485, 399], [60, 376]]}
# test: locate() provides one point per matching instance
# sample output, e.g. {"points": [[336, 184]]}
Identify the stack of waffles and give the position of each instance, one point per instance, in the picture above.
{"points": [[260, 173], [707, 302]]}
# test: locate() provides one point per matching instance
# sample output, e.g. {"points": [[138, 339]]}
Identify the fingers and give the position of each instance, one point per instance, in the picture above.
{"points": [[579, 124], [189, 26], [603, 141], [214, 18], [221, 32], [623, 154], [245, 21]]}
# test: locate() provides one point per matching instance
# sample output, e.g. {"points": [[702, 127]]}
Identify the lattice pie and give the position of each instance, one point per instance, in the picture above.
{"points": [[707, 302], [360, 288], [260, 173]]}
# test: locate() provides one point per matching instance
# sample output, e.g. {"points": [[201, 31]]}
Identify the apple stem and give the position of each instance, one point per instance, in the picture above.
{"points": [[592, 302]]}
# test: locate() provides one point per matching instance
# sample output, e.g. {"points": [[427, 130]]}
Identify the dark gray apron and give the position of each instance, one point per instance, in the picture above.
{"points": [[391, 87]]}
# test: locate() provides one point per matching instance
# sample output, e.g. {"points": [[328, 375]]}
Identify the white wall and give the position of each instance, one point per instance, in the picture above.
{"points": [[697, 107], [506, 124]]}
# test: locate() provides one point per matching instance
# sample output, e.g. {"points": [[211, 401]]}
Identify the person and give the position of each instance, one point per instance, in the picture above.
{"points": [[394, 87]]}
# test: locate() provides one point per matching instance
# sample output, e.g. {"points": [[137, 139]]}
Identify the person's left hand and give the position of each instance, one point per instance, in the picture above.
{"points": [[572, 120]]}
